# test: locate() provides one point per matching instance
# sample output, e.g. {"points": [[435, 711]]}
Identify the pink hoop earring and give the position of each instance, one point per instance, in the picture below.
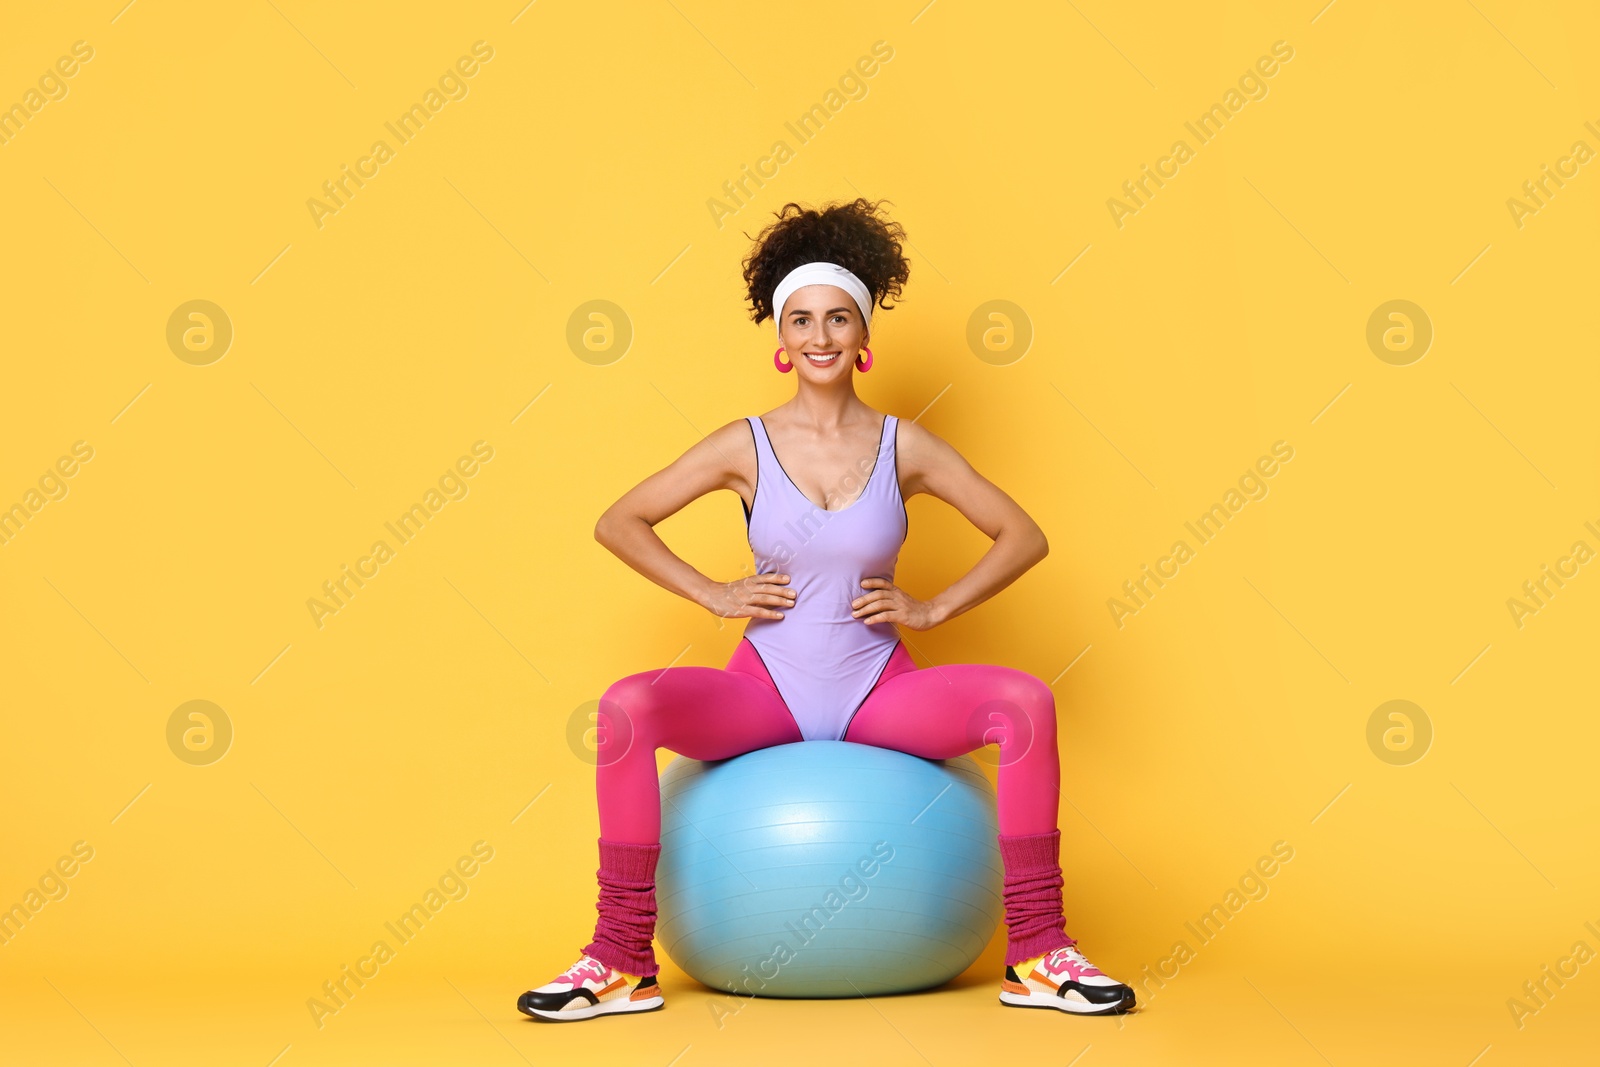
{"points": [[780, 364], [864, 367]]}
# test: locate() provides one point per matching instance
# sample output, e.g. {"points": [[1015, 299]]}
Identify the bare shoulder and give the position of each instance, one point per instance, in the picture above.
{"points": [[930, 464], [725, 458], [922, 456], [735, 445]]}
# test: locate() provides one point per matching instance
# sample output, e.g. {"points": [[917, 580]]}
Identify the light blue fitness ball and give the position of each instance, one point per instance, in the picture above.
{"points": [[826, 869]]}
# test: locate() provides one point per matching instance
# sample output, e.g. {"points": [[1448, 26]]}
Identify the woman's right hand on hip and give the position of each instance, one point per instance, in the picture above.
{"points": [[755, 596]]}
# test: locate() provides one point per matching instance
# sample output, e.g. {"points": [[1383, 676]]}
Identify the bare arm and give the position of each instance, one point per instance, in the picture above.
{"points": [[930, 465], [627, 527]]}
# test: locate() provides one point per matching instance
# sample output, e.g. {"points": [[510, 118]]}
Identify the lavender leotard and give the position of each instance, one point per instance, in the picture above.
{"points": [[823, 661]]}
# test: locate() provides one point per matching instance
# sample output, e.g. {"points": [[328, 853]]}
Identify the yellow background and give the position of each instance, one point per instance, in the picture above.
{"points": [[369, 353]]}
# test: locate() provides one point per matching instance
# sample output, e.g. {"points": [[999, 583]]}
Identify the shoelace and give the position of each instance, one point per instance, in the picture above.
{"points": [[1070, 952], [587, 967]]}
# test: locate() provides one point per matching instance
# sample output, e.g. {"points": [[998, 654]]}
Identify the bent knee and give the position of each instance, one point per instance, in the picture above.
{"points": [[1034, 700], [631, 690], [630, 709], [1018, 713], [1025, 690]]}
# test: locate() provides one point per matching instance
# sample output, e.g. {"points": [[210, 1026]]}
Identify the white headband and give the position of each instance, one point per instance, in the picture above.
{"points": [[820, 273]]}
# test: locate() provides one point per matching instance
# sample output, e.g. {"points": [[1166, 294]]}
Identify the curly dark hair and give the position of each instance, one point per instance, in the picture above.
{"points": [[848, 233]]}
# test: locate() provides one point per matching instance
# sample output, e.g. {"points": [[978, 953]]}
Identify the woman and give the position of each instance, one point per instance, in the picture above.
{"points": [[823, 479]]}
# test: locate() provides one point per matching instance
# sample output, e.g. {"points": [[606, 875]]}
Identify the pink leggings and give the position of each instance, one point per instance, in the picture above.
{"points": [[706, 713]]}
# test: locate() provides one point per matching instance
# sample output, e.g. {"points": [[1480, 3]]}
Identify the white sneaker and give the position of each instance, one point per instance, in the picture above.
{"points": [[589, 988], [1067, 981]]}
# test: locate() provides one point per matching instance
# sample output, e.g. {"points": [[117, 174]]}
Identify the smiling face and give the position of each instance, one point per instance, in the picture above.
{"points": [[822, 330]]}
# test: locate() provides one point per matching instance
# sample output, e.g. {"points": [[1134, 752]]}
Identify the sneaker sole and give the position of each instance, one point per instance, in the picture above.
{"points": [[606, 1007], [1075, 1007]]}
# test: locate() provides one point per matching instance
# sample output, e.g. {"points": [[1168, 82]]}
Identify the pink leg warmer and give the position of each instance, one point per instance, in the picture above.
{"points": [[627, 907], [1034, 922]]}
